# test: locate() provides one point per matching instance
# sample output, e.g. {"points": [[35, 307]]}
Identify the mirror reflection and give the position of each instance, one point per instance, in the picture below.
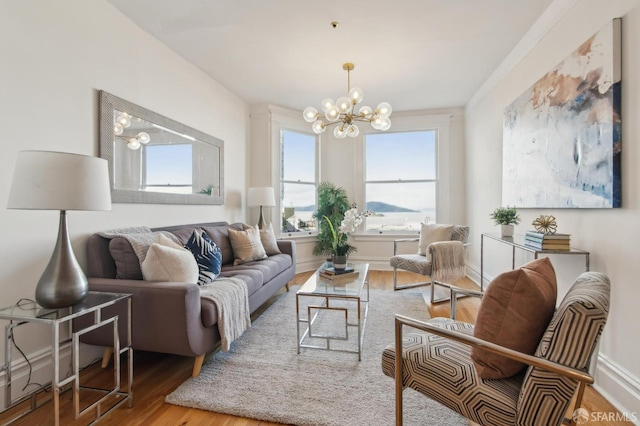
{"points": [[157, 160]]}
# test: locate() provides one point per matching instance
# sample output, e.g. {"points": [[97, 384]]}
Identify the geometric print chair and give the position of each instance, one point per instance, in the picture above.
{"points": [[422, 263], [436, 361]]}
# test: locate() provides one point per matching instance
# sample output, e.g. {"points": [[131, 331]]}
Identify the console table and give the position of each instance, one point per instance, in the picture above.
{"points": [[517, 242], [58, 320]]}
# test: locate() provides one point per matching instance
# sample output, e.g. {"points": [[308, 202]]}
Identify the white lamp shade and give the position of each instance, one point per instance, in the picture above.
{"points": [[261, 196], [46, 180]]}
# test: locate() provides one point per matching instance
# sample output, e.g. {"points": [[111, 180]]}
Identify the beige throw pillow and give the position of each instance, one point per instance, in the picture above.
{"points": [[246, 245], [269, 242], [168, 261], [431, 233]]}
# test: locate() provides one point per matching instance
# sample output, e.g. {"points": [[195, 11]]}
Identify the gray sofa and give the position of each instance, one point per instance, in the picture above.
{"points": [[170, 317]]}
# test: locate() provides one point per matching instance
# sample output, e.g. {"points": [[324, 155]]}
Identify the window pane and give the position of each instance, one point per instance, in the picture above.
{"points": [[169, 168], [400, 206], [298, 156], [406, 155], [298, 204]]}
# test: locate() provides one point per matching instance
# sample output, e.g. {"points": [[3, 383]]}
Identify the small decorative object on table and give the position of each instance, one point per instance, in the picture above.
{"points": [[506, 217], [545, 224], [340, 245]]}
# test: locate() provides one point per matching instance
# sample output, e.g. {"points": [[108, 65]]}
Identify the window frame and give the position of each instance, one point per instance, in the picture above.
{"points": [[440, 123]]}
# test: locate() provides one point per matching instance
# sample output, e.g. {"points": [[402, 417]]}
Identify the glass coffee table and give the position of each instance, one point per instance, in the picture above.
{"points": [[328, 310]]}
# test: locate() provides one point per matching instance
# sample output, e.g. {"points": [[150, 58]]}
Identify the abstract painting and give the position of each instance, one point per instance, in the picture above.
{"points": [[561, 138]]}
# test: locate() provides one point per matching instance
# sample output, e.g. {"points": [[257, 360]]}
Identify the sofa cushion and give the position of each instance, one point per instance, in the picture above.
{"points": [[207, 255], [269, 242], [127, 263], [246, 245], [514, 313], [167, 261], [220, 236], [431, 233]]}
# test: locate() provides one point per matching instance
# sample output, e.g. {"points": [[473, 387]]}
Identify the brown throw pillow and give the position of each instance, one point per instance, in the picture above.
{"points": [[515, 312], [269, 241]]}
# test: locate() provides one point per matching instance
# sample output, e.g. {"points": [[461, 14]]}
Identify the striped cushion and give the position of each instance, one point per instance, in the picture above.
{"points": [[442, 369], [582, 313]]}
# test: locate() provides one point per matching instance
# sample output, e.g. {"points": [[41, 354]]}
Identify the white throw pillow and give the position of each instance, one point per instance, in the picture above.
{"points": [[269, 242], [246, 245], [168, 261], [431, 233]]}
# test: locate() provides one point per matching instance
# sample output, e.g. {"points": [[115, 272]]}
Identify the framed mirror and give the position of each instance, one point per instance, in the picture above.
{"points": [[154, 159]]}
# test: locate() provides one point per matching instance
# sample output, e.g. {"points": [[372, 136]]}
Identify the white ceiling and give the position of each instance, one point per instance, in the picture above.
{"points": [[414, 54]]}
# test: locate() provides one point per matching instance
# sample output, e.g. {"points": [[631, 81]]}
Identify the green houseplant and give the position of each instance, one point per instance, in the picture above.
{"points": [[506, 217], [332, 204]]}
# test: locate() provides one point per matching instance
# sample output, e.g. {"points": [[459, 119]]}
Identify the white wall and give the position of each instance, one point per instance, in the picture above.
{"points": [[56, 55], [610, 235]]}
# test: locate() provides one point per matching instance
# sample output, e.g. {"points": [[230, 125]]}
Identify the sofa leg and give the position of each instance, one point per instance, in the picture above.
{"points": [[106, 356], [286, 286], [197, 365]]}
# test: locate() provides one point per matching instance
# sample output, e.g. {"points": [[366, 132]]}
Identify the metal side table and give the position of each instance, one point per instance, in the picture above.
{"points": [[57, 320]]}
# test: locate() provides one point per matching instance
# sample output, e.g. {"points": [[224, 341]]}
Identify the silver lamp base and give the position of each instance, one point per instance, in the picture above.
{"points": [[63, 283]]}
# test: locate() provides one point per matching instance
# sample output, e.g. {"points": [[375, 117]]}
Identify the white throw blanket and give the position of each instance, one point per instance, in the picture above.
{"points": [[447, 261], [231, 297], [140, 238]]}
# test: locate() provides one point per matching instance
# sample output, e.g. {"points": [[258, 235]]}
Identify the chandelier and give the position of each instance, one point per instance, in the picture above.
{"points": [[342, 112]]}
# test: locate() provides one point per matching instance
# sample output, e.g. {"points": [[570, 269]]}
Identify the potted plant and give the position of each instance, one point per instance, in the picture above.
{"points": [[332, 204], [506, 217], [340, 247]]}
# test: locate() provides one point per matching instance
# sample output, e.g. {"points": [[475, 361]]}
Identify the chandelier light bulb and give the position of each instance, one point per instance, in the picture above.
{"points": [[133, 144], [326, 104], [318, 126], [384, 109], [124, 119], [344, 105], [143, 137], [356, 94], [340, 132], [310, 114], [386, 124], [364, 111], [376, 122], [117, 129], [332, 114], [353, 131]]}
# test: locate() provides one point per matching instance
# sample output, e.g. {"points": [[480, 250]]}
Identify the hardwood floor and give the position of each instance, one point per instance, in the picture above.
{"points": [[157, 375]]}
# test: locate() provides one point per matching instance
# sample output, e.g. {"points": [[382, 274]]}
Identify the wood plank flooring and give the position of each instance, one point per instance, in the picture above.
{"points": [[157, 375]]}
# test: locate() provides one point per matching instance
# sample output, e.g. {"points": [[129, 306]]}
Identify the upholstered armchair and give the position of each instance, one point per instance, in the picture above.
{"points": [[437, 359], [440, 256]]}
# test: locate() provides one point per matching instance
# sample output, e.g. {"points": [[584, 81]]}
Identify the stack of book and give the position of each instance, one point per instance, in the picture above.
{"points": [[338, 276], [540, 241]]}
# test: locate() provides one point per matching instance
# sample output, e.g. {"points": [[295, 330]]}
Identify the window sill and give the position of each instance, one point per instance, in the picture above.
{"points": [[384, 236]]}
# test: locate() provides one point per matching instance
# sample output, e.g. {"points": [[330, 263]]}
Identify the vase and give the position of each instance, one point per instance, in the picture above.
{"points": [[339, 262], [506, 230]]}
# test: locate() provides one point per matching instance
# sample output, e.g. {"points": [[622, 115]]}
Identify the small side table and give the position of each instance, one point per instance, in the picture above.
{"points": [[517, 242], [31, 312]]}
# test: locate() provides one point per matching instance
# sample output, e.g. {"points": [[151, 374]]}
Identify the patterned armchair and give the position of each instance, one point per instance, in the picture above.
{"points": [[438, 363], [439, 273]]}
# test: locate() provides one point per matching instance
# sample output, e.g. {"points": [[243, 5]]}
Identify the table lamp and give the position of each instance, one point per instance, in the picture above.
{"points": [[45, 180], [261, 196]]}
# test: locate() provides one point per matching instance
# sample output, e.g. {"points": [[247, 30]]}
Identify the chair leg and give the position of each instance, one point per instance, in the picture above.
{"points": [[402, 287], [106, 357], [197, 365]]}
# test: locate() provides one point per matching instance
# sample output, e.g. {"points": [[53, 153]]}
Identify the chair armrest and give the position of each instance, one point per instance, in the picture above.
{"points": [[544, 364], [403, 240]]}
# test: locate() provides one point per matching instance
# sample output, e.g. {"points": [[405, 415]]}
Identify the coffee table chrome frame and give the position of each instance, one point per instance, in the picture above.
{"points": [[360, 323]]}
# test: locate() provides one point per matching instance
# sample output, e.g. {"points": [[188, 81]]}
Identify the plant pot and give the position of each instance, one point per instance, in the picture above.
{"points": [[506, 230], [339, 262]]}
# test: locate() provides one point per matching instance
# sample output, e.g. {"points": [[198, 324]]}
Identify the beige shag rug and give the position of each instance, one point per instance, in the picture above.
{"points": [[262, 376]]}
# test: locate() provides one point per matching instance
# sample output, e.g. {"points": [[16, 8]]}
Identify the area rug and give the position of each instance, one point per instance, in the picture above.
{"points": [[263, 377]]}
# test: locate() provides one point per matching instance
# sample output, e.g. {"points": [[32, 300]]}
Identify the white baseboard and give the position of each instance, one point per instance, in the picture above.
{"points": [[619, 387]]}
